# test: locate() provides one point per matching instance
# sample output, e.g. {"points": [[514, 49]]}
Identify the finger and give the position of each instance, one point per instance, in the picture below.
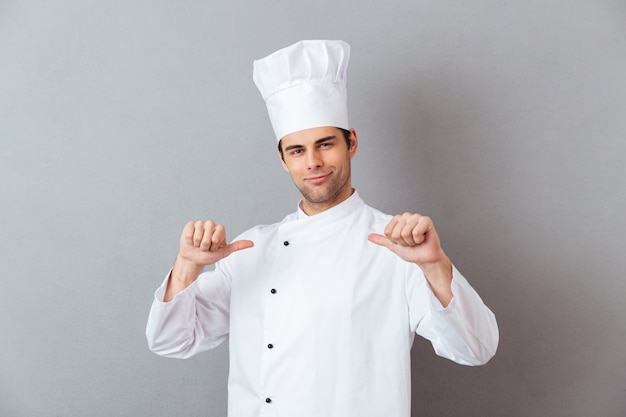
{"points": [[395, 230], [218, 237], [207, 233], [238, 245], [391, 225], [380, 240], [187, 235], [198, 233], [409, 227], [208, 229], [421, 230]]}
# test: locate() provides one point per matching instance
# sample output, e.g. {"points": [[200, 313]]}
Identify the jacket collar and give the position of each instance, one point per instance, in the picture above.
{"points": [[339, 211]]}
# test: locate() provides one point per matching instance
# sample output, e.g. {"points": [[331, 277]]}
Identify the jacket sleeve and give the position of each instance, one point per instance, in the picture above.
{"points": [[465, 331], [197, 319]]}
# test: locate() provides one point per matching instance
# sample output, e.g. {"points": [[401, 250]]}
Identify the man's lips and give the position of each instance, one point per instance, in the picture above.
{"points": [[317, 179]]}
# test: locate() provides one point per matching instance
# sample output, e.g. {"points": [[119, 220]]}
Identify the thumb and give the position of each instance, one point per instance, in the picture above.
{"points": [[380, 240], [238, 245]]}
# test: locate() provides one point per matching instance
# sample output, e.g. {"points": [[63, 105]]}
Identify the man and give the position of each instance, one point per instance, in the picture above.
{"points": [[320, 309]]}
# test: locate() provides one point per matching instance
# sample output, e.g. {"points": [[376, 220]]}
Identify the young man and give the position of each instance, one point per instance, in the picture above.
{"points": [[320, 309]]}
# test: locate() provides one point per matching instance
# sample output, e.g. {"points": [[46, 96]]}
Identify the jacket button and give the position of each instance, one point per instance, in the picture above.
{"points": [[286, 243], [268, 400], [273, 290], [270, 346]]}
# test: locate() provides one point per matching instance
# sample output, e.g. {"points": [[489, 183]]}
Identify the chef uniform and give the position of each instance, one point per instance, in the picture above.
{"points": [[320, 321]]}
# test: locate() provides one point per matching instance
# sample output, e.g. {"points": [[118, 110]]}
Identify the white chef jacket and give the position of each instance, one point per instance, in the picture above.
{"points": [[320, 321]]}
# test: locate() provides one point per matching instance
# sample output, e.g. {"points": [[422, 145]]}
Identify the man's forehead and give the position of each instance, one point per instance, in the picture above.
{"points": [[307, 136]]}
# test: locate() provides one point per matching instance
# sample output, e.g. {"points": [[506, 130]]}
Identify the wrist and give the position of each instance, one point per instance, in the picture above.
{"points": [[439, 276], [185, 271], [439, 266]]}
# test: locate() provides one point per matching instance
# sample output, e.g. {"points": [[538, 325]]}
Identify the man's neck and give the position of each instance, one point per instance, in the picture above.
{"points": [[311, 208]]}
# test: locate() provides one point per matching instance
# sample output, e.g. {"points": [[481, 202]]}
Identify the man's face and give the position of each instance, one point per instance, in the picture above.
{"points": [[318, 161]]}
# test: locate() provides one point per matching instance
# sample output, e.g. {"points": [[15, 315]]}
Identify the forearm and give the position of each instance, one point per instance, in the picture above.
{"points": [[466, 330], [183, 274], [196, 319], [170, 325], [439, 276]]}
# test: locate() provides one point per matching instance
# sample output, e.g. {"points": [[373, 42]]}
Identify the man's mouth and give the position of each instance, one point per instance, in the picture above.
{"points": [[318, 179]]}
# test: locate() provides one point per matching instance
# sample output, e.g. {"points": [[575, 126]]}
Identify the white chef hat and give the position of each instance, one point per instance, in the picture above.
{"points": [[304, 85]]}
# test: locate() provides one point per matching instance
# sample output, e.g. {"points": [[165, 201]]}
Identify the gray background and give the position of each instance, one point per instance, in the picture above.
{"points": [[121, 120]]}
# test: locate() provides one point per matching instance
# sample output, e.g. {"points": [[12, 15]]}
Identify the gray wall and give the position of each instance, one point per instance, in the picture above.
{"points": [[121, 120]]}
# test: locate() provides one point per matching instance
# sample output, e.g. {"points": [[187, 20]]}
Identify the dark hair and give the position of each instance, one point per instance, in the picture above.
{"points": [[346, 136]]}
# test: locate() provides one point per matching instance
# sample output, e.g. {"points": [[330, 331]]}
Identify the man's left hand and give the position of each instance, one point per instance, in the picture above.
{"points": [[413, 238]]}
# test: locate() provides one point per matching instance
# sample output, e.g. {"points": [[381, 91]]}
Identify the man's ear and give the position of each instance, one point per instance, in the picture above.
{"points": [[354, 143], [282, 160]]}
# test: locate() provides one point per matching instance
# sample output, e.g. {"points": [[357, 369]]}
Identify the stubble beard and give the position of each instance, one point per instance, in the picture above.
{"points": [[317, 195]]}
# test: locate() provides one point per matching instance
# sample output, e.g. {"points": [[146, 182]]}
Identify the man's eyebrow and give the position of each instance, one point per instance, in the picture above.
{"points": [[317, 142]]}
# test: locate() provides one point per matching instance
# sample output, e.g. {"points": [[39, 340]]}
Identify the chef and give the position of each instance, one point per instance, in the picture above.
{"points": [[321, 308]]}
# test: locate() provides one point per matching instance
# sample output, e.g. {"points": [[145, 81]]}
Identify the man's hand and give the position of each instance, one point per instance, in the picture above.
{"points": [[202, 243], [413, 238]]}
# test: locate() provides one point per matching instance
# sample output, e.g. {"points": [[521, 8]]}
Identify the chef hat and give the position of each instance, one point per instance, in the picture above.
{"points": [[304, 85]]}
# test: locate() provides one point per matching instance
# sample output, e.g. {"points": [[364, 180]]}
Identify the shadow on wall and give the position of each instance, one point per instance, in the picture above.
{"points": [[559, 340]]}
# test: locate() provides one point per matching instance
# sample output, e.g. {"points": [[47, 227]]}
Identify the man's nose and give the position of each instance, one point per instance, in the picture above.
{"points": [[314, 159]]}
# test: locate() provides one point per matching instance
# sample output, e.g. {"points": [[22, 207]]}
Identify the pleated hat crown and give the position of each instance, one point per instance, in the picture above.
{"points": [[304, 85]]}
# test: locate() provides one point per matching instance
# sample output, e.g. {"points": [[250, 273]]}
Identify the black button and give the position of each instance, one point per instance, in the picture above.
{"points": [[273, 290], [286, 243], [270, 346], [268, 400]]}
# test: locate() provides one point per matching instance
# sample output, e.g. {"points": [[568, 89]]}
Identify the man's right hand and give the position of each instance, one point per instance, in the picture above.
{"points": [[202, 243]]}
